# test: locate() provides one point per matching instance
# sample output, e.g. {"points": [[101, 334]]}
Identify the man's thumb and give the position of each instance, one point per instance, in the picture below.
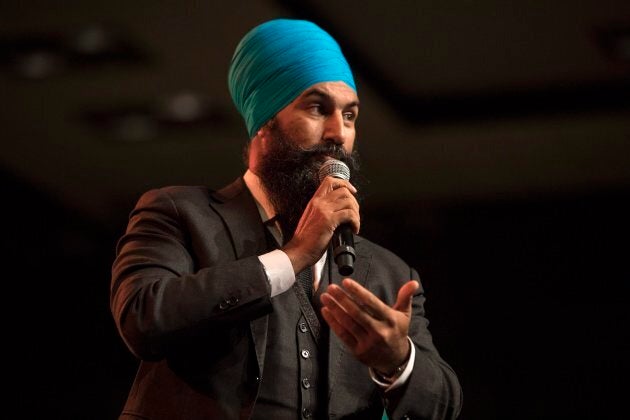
{"points": [[403, 302]]}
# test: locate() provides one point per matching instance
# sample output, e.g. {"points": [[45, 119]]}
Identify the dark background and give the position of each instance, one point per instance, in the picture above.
{"points": [[495, 143]]}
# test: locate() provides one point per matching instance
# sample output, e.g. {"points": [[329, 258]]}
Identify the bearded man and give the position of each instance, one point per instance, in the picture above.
{"points": [[204, 288]]}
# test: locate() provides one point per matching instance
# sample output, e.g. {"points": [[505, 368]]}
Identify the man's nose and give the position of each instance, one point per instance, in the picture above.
{"points": [[335, 130]]}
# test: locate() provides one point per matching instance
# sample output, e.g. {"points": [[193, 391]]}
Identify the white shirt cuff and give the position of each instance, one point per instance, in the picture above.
{"points": [[403, 376], [279, 271]]}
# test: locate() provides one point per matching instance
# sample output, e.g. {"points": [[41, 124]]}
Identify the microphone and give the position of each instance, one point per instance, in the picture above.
{"points": [[342, 239]]}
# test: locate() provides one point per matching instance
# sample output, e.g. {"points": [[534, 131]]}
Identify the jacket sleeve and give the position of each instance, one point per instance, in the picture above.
{"points": [[433, 390], [159, 294]]}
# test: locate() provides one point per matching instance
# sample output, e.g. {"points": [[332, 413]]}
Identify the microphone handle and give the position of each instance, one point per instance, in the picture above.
{"points": [[343, 249]]}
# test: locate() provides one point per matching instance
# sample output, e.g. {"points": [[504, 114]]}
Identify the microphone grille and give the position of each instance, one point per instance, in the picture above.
{"points": [[334, 168]]}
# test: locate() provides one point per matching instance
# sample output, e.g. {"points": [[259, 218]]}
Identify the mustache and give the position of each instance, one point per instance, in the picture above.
{"points": [[314, 156], [334, 151]]}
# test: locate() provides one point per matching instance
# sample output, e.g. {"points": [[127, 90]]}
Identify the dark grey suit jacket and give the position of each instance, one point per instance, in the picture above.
{"points": [[190, 298]]}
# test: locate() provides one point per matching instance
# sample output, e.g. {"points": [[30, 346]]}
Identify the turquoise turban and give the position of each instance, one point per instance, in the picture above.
{"points": [[278, 60]]}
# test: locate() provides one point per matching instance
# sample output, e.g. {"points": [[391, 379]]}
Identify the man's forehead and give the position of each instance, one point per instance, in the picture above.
{"points": [[337, 91]]}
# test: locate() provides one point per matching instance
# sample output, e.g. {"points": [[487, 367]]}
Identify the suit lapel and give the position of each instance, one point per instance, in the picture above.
{"points": [[237, 208], [337, 349], [239, 212]]}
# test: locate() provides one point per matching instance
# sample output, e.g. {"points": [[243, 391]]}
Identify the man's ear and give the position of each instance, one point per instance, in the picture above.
{"points": [[263, 136], [260, 140], [257, 147]]}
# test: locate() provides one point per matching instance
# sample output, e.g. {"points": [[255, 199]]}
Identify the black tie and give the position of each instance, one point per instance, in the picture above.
{"points": [[305, 277]]}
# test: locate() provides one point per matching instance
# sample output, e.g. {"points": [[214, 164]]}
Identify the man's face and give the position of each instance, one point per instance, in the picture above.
{"points": [[324, 113], [318, 124]]}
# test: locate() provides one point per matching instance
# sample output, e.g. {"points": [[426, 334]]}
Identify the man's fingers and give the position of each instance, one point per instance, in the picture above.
{"points": [[348, 321], [330, 184], [348, 216], [405, 293], [339, 211], [338, 182], [366, 298], [344, 335], [340, 199], [359, 312]]}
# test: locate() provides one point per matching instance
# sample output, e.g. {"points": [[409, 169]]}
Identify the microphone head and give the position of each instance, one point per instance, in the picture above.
{"points": [[334, 168]]}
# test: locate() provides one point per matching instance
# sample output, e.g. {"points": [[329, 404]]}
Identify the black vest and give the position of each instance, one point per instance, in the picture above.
{"points": [[294, 376]]}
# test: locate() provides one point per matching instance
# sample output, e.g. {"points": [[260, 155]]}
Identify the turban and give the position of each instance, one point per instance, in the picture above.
{"points": [[278, 60]]}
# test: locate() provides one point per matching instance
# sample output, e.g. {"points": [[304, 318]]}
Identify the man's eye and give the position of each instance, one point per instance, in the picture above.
{"points": [[350, 116], [315, 108]]}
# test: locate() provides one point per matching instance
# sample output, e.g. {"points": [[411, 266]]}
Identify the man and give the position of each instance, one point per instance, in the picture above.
{"points": [[204, 286]]}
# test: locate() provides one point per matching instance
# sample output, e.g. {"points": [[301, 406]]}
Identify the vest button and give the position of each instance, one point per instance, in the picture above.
{"points": [[306, 383], [306, 354], [303, 327], [306, 413]]}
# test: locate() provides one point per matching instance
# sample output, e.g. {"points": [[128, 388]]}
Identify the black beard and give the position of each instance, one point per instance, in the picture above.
{"points": [[289, 175]]}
